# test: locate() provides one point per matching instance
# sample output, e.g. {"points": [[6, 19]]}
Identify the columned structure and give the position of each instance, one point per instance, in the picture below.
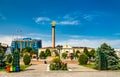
{"points": [[53, 33]]}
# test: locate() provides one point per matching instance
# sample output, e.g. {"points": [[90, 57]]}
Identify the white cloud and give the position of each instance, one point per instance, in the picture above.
{"points": [[38, 35], [91, 43], [94, 43], [41, 20], [74, 22], [7, 39], [117, 34]]}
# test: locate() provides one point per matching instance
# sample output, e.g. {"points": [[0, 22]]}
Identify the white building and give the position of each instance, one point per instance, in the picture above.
{"points": [[118, 52]]}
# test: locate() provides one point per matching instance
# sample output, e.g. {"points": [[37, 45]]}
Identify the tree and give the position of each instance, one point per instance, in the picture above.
{"points": [[16, 58], [28, 50], [42, 55], [86, 51], [9, 58], [1, 51], [56, 52], [2, 63], [26, 59], [47, 52], [64, 55], [92, 54], [76, 54], [83, 59], [106, 58], [32, 51]]}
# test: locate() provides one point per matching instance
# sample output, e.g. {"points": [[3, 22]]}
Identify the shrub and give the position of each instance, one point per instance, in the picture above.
{"points": [[26, 59], [83, 59], [47, 52], [57, 64], [56, 52], [9, 58], [64, 55], [56, 60], [42, 55]]}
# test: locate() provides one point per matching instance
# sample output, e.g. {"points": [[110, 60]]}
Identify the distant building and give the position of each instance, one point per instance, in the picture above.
{"points": [[4, 46], [118, 52], [26, 42], [66, 48]]}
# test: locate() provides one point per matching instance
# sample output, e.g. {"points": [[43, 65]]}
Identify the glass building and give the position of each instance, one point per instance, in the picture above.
{"points": [[26, 42]]}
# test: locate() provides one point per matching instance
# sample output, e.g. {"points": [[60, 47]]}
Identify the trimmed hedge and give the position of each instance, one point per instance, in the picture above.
{"points": [[83, 59], [26, 59]]}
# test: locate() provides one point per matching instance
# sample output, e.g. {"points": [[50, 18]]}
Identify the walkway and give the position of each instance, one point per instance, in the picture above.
{"points": [[39, 70]]}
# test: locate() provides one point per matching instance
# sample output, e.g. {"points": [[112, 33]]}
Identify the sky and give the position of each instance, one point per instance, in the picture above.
{"points": [[85, 23]]}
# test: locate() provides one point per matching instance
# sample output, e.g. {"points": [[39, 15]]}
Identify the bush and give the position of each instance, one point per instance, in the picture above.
{"points": [[56, 60], [9, 58], [26, 59], [47, 52], [83, 59], [56, 53], [57, 64], [64, 55], [42, 55]]}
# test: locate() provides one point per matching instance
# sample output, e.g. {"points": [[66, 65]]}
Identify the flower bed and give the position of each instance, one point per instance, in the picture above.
{"points": [[57, 64]]}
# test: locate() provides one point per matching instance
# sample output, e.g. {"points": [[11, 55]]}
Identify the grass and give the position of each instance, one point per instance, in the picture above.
{"points": [[89, 66], [22, 67], [2, 70]]}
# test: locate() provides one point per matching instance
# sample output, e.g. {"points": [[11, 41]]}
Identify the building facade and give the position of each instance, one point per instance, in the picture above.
{"points": [[26, 42], [66, 48]]}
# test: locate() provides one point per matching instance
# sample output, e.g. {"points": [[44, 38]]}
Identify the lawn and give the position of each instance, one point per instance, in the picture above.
{"points": [[89, 66], [1, 70], [22, 67]]}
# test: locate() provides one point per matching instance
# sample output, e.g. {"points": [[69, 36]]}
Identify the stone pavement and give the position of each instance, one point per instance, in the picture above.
{"points": [[40, 70]]}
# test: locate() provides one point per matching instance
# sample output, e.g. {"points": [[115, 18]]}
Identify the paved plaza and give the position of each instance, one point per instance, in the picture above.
{"points": [[40, 70]]}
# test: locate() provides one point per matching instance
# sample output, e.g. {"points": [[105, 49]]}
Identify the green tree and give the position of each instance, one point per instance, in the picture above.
{"points": [[1, 51], [92, 54], [9, 58], [56, 52], [28, 50], [64, 55], [86, 51], [26, 59], [106, 58], [42, 55], [83, 59], [76, 54], [47, 52], [16, 58]]}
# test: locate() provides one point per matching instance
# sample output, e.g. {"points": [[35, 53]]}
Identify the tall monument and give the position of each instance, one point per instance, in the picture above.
{"points": [[53, 33]]}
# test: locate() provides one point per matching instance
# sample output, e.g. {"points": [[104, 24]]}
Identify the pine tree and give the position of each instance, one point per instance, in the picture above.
{"points": [[106, 58]]}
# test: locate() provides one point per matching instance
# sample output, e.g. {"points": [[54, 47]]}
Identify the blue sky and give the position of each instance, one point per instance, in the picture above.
{"points": [[79, 22]]}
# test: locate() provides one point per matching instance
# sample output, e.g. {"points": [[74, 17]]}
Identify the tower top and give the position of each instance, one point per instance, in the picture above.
{"points": [[53, 23]]}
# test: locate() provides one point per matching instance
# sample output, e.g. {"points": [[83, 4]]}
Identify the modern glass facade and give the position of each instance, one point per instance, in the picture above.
{"points": [[26, 42]]}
